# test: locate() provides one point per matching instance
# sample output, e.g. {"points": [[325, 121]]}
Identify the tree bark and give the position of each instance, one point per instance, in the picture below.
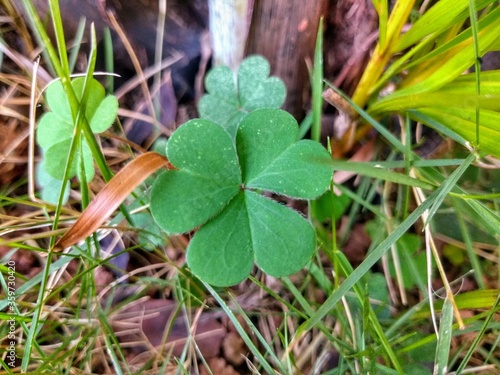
{"points": [[285, 33]]}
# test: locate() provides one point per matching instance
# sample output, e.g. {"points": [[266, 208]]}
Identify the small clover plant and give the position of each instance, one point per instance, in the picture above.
{"points": [[225, 161], [227, 101], [56, 130]]}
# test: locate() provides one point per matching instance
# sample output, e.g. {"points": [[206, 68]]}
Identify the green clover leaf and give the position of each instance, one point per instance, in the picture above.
{"points": [[56, 129], [227, 104], [57, 154], [207, 179], [217, 188], [51, 187]]}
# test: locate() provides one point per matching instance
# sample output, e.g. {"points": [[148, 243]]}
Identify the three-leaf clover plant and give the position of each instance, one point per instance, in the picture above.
{"points": [[218, 186], [56, 130], [241, 148], [227, 101]]}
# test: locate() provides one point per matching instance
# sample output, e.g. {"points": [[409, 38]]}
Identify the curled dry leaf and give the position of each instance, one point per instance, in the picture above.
{"points": [[111, 196]]}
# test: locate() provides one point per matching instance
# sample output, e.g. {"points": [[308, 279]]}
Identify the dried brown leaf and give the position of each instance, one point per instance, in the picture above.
{"points": [[111, 196]]}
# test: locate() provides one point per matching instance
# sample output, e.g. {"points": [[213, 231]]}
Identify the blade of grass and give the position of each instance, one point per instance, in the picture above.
{"points": [[444, 339], [475, 299], [77, 44], [109, 60], [81, 119], [396, 143], [55, 14], [42, 37], [448, 185], [365, 266], [480, 213], [382, 8], [256, 332], [477, 65], [368, 169], [111, 343], [382, 53], [489, 218], [305, 125], [34, 328], [441, 16], [454, 65], [248, 341], [473, 258], [160, 32], [369, 314], [494, 346], [408, 158], [444, 97], [473, 326], [317, 84], [5, 367], [362, 202], [82, 123]]}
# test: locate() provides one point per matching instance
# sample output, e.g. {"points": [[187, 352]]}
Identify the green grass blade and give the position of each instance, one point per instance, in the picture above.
{"points": [[42, 36], [365, 266], [375, 171], [55, 13], [259, 336], [248, 341], [109, 60], [75, 50], [448, 185], [462, 122], [84, 124], [317, 84], [305, 125], [489, 217], [438, 99], [111, 343], [493, 311], [440, 17], [477, 65], [466, 238], [369, 314], [382, 8], [298, 296], [444, 339], [428, 119], [455, 65], [35, 322], [396, 143], [475, 299], [362, 202]]}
